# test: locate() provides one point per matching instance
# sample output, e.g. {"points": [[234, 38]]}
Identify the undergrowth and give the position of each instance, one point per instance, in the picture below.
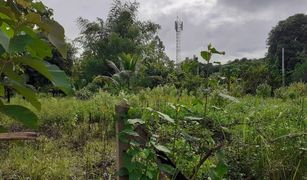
{"points": [[267, 141]]}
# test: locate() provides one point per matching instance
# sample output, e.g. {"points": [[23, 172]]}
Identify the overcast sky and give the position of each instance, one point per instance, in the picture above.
{"points": [[238, 27]]}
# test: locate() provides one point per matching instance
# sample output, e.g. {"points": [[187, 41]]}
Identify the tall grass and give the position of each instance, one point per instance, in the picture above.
{"points": [[77, 142]]}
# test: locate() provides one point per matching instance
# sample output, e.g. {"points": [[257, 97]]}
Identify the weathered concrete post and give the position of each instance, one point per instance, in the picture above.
{"points": [[121, 111], [18, 136]]}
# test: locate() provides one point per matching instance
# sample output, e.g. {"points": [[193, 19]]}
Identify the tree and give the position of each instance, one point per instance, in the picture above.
{"points": [[191, 66], [299, 73], [25, 40], [121, 32], [127, 68], [290, 34], [156, 66], [250, 72], [231, 73]]}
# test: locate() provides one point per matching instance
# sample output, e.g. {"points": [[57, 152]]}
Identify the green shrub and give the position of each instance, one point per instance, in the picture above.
{"points": [[217, 100], [88, 91], [237, 90], [84, 94], [294, 91], [281, 93], [264, 90]]}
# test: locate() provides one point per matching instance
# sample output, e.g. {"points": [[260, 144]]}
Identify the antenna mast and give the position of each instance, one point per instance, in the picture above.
{"points": [[179, 29]]}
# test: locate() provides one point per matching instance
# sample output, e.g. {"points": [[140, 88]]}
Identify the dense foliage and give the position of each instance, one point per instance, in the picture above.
{"points": [[290, 34], [122, 32], [26, 36]]}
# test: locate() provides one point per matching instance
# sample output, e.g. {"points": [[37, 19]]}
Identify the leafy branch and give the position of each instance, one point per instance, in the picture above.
{"points": [[27, 36]]}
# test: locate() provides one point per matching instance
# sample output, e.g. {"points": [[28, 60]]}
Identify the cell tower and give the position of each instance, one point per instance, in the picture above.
{"points": [[179, 29]]}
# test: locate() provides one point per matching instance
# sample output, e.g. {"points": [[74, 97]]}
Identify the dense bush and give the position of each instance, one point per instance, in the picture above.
{"points": [[88, 91], [264, 90], [294, 91], [237, 90]]}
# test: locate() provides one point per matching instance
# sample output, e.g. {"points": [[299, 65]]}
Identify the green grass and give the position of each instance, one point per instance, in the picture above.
{"points": [[77, 140]]}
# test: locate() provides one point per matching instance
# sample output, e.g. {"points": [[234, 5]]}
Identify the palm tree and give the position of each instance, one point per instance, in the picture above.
{"points": [[127, 69]]}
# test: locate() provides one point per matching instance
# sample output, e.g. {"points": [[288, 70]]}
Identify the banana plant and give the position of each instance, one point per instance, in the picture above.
{"points": [[127, 68], [27, 37]]}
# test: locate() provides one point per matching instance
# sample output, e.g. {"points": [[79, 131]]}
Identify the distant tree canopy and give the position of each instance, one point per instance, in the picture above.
{"points": [[250, 72], [300, 72], [290, 34], [120, 33]]}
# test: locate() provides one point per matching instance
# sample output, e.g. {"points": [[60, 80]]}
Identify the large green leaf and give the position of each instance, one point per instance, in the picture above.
{"points": [[18, 43], [221, 169], [135, 121], [165, 117], [39, 6], [218, 172], [129, 132], [193, 118], [7, 13], [29, 31], [105, 79], [28, 93], [113, 66], [4, 40], [39, 48], [55, 34], [161, 148], [214, 51], [50, 71], [188, 137], [60, 79], [23, 3], [6, 29], [33, 18], [167, 169], [206, 55], [36, 64], [8, 70], [21, 114], [231, 98]]}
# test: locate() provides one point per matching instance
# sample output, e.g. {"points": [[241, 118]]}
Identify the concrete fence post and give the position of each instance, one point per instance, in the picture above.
{"points": [[121, 112], [18, 136]]}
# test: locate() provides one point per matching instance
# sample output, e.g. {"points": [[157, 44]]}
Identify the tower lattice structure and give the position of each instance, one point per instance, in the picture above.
{"points": [[179, 29]]}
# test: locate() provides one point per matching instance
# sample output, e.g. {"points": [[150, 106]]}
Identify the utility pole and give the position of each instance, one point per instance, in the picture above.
{"points": [[283, 67]]}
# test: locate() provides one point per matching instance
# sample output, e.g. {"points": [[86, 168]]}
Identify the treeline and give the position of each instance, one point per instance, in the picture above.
{"points": [[122, 52]]}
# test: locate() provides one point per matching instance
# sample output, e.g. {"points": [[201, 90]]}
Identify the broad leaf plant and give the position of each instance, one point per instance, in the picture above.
{"points": [[27, 37]]}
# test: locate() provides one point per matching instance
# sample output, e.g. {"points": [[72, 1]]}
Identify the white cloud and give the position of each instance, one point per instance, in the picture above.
{"points": [[199, 11], [153, 9]]}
